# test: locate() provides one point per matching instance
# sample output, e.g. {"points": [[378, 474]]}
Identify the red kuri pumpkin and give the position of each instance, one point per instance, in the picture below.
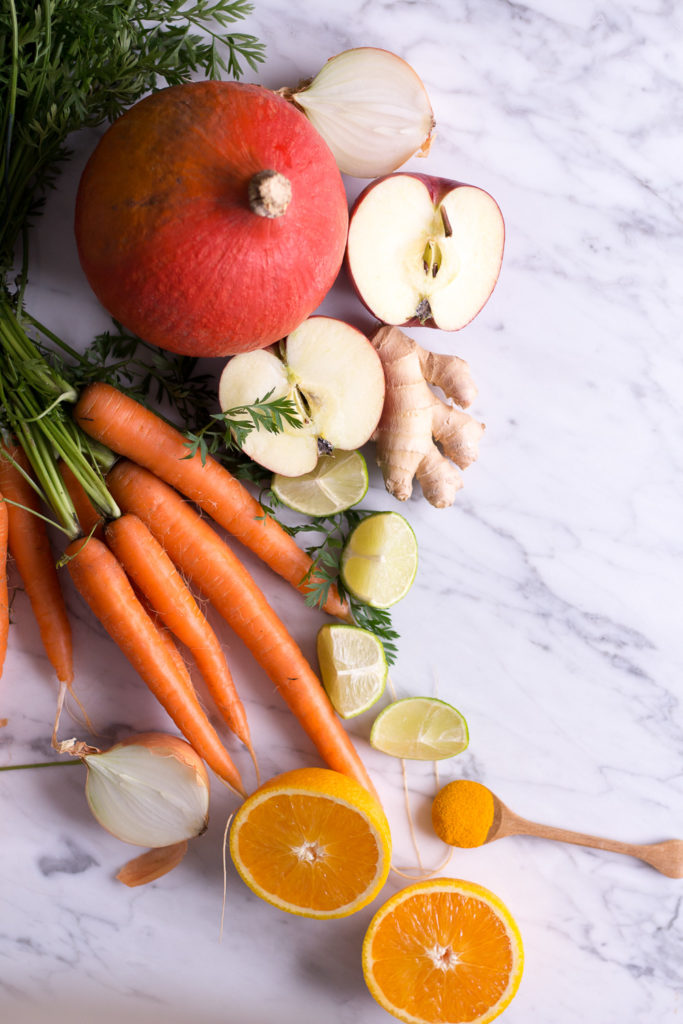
{"points": [[211, 218]]}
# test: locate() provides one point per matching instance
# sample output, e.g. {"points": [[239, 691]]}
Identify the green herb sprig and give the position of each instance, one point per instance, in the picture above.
{"points": [[235, 425], [323, 573]]}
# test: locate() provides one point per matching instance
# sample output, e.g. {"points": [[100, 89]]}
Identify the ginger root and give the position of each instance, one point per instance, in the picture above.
{"points": [[419, 434]]}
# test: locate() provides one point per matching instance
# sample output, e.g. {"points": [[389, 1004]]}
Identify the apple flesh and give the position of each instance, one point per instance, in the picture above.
{"points": [[334, 377], [424, 251]]}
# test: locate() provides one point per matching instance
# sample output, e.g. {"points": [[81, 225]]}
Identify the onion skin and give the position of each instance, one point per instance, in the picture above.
{"points": [[164, 230], [151, 865], [165, 744]]}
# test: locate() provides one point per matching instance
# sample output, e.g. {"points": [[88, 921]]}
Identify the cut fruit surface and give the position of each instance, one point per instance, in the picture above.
{"points": [[420, 729], [312, 842], [425, 251], [445, 951], [379, 560], [353, 668], [248, 378], [338, 481], [371, 108], [334, 378]]}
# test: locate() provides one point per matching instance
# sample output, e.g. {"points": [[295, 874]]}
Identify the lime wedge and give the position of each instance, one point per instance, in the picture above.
{"points": [[338, 481], [352, 666], [420, 728], [379, 560]]}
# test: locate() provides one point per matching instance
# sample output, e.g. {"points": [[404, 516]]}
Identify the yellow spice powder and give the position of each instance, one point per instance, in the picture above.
{"points": [[462, 813]]}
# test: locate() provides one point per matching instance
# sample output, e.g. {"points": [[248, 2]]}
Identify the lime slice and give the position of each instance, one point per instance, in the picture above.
{"points": [[379, 560], [352, 666], [420, 728], [338, 481]]}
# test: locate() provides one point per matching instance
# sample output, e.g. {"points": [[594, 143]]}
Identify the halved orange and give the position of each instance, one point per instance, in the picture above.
{"points": [[444, 951], [312, 842]]}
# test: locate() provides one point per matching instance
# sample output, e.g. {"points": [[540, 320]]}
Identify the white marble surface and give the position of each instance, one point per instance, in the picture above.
{"points": [[548, 602]]}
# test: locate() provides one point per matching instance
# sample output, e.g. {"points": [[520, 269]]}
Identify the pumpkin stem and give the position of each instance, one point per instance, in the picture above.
{"points": [[269, 194]]}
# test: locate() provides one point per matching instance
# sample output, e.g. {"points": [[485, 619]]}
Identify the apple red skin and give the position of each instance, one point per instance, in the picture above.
{"points": [[437, 189], [165, 233]]}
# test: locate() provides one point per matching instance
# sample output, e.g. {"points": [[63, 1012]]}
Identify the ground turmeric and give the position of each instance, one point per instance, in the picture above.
{"points": [[462, 813]]}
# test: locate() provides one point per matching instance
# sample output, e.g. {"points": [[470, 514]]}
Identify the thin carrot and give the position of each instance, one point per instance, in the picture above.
{"points": [[29, 545], [167, 640], [4, 593], [128, 428], [103, 584], [89, 518], [148, 565], [202, 557]]}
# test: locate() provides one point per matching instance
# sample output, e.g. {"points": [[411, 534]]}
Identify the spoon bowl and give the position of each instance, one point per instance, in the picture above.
{"points": [[666, 857]]}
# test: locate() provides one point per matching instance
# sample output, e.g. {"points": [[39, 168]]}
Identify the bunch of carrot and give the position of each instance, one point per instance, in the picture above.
{"points": [[23, 534], [132, 569]]}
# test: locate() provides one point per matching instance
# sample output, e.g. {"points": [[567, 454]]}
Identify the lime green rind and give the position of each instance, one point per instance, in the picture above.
{"points": [[344, 670], [396, 730], [338, 482], [365, 567]]}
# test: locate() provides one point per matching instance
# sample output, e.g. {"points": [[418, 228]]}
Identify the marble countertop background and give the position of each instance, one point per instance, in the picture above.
{"points": [[547, 605]]}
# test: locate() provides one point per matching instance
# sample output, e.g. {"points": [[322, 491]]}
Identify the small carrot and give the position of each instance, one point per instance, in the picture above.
{"points": [[4, 593], [130, 429], [150, 568], [167, 640], [103, 584], [204, 559], [29, 545], [89, 518]]}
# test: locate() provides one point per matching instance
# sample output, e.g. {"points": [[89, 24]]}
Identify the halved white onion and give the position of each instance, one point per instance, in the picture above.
{"points": [[371, 108], [151, 790]]}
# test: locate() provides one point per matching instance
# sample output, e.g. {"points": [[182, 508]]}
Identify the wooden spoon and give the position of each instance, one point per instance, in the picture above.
{"points": [[666, 857]]}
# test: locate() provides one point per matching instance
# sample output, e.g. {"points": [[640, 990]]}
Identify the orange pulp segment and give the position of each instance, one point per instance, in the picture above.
{"points": [[312, 842], [445, 951]]}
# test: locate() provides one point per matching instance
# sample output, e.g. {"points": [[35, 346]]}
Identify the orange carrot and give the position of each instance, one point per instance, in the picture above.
{"points": [[167, 640], [128, 428], [29, 545], [89, 518], [4, 593], [203, 558], [148, 565], [103, 584]]}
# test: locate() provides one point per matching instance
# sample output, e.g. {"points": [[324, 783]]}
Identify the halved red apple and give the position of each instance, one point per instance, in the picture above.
{"points": [[424, 251], [334, 377]]}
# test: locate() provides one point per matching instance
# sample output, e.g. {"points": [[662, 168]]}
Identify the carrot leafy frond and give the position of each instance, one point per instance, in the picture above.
{"points": [[67, 65], [231, 428], [70, 64], [323, 573]]}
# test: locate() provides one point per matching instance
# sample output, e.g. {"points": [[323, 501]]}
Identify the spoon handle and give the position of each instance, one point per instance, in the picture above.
{"points": [[666, 857]]}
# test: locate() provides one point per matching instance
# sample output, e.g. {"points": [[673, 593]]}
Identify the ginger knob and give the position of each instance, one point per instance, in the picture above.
{"points": [[419, 434]]}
